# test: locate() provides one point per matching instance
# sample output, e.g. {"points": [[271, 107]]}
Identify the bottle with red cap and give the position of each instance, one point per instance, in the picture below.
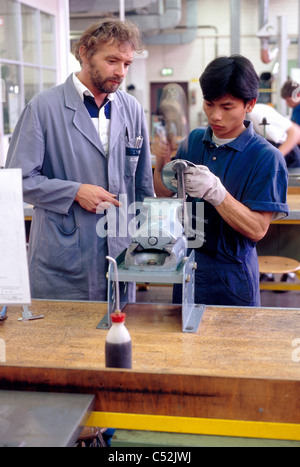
{"points": [[118, 346]]}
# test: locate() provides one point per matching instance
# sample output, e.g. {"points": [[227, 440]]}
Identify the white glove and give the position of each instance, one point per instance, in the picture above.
{"points": [[200, 182]]}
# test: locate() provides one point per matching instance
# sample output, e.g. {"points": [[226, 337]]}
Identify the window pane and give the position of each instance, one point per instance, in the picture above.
{"points": [[12, 105], [31, 83], [30, 26], [49, 79], [9, 32], [48, 39]]}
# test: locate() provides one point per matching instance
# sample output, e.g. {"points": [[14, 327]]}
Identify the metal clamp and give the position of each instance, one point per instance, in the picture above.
{"points": [[28, 316], [185, 275]]}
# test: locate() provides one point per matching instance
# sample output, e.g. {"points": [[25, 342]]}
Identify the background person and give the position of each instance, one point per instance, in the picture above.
{"points": [[290, 92], [278, 130]]}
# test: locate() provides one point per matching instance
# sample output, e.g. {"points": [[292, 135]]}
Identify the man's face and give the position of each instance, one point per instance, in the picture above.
{"points": [[108, 67], [226, 115]]}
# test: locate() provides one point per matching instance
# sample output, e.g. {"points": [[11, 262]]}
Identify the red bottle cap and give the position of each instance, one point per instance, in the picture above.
{"points": [[118, 317]]}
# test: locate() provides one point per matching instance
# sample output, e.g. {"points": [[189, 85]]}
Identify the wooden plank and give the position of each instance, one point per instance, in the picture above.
{"points": [[238, 365], [293, 190], [167, 394], [293, 199]]}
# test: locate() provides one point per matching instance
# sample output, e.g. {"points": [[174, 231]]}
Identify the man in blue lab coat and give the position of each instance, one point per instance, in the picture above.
{"points": [[77, 146], [240, 178]]}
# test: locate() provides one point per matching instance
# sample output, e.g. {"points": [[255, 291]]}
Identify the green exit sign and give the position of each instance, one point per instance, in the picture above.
{"points": [[167, 71]]}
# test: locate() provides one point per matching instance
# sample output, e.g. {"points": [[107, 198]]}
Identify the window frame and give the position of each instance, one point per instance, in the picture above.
{"points": [[59, 10]]}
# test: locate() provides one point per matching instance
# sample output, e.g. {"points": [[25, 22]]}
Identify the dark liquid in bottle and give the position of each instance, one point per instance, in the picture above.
{"points": [[118, 355]]}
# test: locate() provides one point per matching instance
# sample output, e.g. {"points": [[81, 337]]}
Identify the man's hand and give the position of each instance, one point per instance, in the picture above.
{"points": [[200, 182], [93, 198], [162, 150]]}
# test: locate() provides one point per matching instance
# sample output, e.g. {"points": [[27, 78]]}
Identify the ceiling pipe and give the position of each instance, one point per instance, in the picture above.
{"points": [[265, 32], [235, 26], [263, 19], [122, 10]]}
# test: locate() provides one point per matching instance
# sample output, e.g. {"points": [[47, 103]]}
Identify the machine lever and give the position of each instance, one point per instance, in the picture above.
{"points": [[179, 167]]}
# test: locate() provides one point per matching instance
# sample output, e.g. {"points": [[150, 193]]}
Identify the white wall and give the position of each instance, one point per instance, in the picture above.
{"points": [[189, 60]]}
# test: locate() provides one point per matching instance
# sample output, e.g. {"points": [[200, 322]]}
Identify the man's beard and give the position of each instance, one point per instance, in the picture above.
{"points": [[104, 85]]}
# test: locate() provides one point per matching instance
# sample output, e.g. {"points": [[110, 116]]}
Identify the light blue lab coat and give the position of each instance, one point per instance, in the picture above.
{"points": [[58, 148]]}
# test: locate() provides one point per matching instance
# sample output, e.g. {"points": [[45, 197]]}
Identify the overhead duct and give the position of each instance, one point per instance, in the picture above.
{"points": [[169, 16], [188, 34], [104, 6]]}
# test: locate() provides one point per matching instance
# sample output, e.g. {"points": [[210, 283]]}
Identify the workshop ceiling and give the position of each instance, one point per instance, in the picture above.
{"points": [[160, 21], [111, 6]]}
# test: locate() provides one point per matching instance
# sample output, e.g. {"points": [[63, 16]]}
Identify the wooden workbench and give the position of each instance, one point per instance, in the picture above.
{"points": [[293, 200], [238, 366], [282, 236]]}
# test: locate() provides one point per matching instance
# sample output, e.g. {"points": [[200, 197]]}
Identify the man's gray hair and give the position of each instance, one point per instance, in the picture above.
{"points": [[108, 31]]}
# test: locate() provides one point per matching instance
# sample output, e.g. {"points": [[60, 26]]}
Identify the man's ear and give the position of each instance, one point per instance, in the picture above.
{"points": [[296, 95], [250, 105], [82, 53]]}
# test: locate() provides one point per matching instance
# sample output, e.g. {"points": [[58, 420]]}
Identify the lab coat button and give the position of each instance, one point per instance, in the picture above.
{"points": [[214, 158]]}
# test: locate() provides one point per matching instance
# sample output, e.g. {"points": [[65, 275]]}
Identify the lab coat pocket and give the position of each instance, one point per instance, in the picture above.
{"points": [[61, 252], [131, 161]]}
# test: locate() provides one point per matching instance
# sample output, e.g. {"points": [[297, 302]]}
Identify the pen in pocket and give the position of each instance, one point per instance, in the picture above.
{"points": [[139, 142]]}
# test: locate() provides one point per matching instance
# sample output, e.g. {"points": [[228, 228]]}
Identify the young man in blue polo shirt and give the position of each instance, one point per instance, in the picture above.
{"points": [[240, 178]]}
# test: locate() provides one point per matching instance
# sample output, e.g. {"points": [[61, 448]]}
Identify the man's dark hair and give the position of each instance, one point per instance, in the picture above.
{"points": [[234, 75], [289, 88]]}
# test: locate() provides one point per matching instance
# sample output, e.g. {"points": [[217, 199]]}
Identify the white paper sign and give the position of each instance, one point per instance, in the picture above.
{"points": [[14, 277]]}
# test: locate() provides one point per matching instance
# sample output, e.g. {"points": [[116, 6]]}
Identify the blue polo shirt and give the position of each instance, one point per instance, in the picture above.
{"points": [[254, 172], [296, 115]]}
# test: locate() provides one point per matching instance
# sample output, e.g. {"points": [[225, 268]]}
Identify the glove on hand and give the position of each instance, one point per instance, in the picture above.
{"points": [[200, 182]]}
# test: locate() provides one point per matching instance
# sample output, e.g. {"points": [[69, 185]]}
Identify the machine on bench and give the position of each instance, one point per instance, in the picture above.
{"points": [[158, 252]]}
